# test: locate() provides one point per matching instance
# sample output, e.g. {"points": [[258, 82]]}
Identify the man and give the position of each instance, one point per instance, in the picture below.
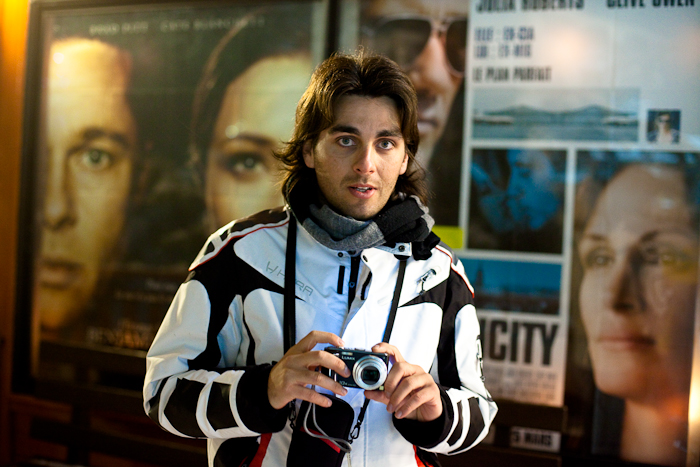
{"points": [[428, 39], [89, 147], [236, 358]]}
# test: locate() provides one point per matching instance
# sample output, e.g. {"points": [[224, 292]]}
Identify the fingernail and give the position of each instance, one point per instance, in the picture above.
{"points": [[399, 414], [347, 372], [344, 392], [390, 408]]}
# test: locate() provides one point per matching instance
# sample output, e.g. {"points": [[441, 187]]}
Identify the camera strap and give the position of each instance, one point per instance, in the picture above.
{"points": [[290, 306], [290, 324]]}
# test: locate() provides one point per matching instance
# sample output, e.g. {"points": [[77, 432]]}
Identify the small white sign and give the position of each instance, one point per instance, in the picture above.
{"points": [[538, 440]]}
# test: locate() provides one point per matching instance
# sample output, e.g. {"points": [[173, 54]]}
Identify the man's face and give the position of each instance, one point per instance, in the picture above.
{"points": [[434, 60], [256, 116], [359, 158], [90, 139]]}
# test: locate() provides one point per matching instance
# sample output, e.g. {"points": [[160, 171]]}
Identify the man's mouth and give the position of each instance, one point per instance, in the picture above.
{"points": [[363, 191]]}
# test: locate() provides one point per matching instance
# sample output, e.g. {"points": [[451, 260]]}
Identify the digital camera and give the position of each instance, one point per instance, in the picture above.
{"points": [[368, 370]]}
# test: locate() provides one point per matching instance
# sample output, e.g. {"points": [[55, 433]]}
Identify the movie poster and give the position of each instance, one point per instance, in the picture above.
{"points": [[407, 32], [157, 126], [580, 201]]}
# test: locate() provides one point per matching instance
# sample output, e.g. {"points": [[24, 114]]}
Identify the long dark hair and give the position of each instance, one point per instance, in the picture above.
{"points": [[363, 75]]}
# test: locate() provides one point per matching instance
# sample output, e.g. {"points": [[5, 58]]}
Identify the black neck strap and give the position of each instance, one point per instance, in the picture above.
{"points": [[290, 325], [395, 299]]}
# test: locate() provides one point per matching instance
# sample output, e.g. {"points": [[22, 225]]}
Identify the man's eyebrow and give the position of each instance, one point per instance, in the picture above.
{"points": [[344, 129], [393, 132], [93, 133]]}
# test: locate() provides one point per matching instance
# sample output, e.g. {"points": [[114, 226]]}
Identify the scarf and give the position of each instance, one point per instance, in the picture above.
{"points": [[403, 220]]}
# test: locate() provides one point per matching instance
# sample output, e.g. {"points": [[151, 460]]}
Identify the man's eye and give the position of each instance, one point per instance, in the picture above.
{"points": [[96, 159], [597, 258], [346, 141], [386, 144], [244, 163]]}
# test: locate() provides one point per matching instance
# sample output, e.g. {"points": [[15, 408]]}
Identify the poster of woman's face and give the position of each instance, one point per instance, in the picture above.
{"points": [[156, 126], [637, 220]]}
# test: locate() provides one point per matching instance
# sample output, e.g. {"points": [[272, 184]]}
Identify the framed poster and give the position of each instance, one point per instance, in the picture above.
{"points": [[148, 125]]}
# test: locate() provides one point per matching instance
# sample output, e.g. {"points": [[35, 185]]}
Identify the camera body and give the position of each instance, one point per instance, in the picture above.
{"points": [[368, 370]]}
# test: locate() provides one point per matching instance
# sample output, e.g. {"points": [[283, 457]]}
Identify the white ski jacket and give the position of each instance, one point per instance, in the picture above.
{"points": [[207, 368]]}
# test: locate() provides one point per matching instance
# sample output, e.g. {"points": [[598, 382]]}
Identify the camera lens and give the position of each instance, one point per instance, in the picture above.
{"points": [[370, 376], [369, 372]]}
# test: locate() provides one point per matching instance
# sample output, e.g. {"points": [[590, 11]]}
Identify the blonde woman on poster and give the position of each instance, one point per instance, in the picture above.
{"points": [[638, 248], [244, 110]]}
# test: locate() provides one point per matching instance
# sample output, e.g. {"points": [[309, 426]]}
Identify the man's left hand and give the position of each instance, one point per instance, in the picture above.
{"points": [[409, 392]]}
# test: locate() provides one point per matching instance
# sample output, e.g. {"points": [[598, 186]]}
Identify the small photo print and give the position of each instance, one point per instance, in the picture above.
{"points": [[664, 126]]}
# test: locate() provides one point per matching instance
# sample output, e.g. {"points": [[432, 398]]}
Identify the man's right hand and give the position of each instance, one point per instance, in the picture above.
{"points": [[298, 368]]}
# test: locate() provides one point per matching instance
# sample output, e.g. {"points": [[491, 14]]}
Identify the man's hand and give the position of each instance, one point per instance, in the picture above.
{"points": [[297, 369], [409, 392]]}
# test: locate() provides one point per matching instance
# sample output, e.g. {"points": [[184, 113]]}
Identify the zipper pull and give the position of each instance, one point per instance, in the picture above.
{"points": [[423, 280]]}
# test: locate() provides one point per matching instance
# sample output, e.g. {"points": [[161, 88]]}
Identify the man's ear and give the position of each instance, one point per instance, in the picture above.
{"points": [[308, 153], [404, 164]]}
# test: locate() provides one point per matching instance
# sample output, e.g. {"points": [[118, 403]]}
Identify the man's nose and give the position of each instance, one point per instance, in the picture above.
{"points": [[429, 63], [58, 211], [365, 162]]}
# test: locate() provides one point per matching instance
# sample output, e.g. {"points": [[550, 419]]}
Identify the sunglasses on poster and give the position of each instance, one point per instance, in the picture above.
{"points": [[403, 38]]}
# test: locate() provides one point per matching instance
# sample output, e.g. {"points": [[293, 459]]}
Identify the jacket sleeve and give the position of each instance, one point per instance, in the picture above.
{"points": [[468, 408], [192, 387]]}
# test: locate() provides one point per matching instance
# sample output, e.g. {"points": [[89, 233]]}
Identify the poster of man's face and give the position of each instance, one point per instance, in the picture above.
{"points": [[428, 39], [157, 126]]}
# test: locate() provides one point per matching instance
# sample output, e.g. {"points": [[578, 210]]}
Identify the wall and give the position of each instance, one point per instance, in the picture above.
{"points": [[13, 31]]}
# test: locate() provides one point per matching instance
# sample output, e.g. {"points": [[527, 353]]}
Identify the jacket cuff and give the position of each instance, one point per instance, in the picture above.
{"points": [[253, 404], [427, 435]]}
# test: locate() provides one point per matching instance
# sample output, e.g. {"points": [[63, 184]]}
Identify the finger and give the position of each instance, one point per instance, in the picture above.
{"points": [[286, 384], [398, 372], [408, 388], [383, 347], [424, 404], [313, 378], [309, 395], [314, 338], [378, 396], [318, 358]]}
